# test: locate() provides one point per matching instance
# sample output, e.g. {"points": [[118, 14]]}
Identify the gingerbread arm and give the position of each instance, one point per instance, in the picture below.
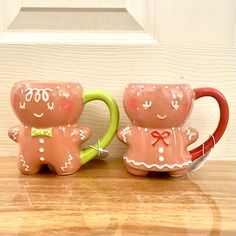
{"points": [[13, 133], [191, 135], [124, 135], [80, 134]]}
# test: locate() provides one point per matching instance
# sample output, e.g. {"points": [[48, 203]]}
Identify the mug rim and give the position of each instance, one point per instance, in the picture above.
{"points": [[48, 82], [157, 84]]}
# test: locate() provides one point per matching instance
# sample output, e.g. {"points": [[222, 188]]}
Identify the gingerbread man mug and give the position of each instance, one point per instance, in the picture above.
{"points": [[158, 138], [49, 133]]}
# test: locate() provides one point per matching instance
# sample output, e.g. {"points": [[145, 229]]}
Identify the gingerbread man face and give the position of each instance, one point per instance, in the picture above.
{"points": [[158, 106], [40, 105]]}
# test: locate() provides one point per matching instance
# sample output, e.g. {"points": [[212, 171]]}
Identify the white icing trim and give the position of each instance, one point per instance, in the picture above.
{"points": [[67, 163], [50, 107], [189, 134], [124, 132], [161, 117], [22, 106], [75, 132], [175, 104], [147, 104], [14, 135], [38, 115], [62, 128], [23, 161], [37, 96], [81, 134], [136, 163]]}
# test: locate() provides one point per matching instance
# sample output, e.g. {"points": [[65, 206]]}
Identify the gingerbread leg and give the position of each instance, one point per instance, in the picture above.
{"points": [[27, 165], [178, 173], [66, 165], [136, 172]]}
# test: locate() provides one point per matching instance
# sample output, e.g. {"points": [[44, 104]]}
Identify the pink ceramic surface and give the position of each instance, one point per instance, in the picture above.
{"points": [[49, 133], [158, 138]]}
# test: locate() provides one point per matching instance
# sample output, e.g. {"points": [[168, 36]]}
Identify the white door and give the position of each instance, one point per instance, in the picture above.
{"points": [[107, 44]]}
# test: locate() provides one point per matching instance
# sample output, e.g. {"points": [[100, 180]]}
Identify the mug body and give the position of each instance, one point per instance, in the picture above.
{"points": [[45, 104], [158, 138]]}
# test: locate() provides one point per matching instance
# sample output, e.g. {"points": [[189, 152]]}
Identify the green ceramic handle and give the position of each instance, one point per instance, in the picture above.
{"points": [[88, 154]]}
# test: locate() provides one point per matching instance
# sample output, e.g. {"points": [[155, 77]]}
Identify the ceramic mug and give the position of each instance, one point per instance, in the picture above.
{"points": [[49, 133], [158, 138]]}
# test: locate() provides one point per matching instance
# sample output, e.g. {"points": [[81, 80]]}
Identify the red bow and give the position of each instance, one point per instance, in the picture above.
{"points": [[160, 136]]}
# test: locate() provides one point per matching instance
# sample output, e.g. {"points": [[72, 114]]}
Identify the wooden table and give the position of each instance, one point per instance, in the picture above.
{"points": [[103, 199]]}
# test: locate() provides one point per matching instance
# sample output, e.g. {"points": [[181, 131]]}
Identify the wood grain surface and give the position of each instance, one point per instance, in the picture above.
{"points": [[103, 199]]}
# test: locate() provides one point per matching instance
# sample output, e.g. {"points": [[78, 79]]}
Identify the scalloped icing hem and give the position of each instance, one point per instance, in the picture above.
{"points": [[136, 163]]}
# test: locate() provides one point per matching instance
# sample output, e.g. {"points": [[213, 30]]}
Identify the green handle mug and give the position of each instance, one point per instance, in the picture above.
{"points": [[49, 133]]}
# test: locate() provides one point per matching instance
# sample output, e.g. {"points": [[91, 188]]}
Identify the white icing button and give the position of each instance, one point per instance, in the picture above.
{"points": [[177, 87], [139, 128], [154, 87], [145, 130], [161, 150], [42, 159], [57, 87], [41, 140], [41, 149], [166, 86], [161, 158]]}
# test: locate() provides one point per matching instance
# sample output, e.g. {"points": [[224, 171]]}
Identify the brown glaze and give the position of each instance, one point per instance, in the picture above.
{"points": [[49, 133], [158, 138]]}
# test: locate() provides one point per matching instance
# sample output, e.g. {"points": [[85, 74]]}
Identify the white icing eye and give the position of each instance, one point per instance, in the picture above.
{"points": [[147, 104], [22, 105], [50, 106], [175, 104]]}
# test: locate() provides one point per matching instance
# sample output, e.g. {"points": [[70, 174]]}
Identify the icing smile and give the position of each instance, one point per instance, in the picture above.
{"points": [[38, 115], [161, 117]]}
